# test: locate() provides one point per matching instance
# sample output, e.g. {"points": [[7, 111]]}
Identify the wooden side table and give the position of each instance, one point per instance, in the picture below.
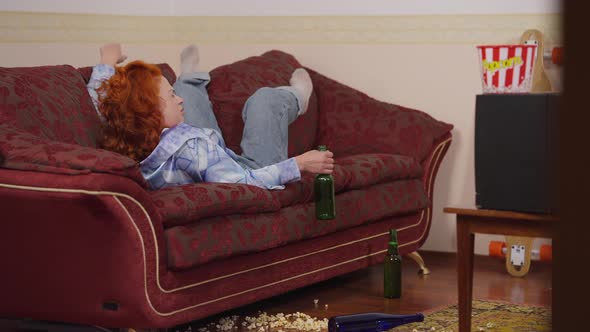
{"points": [[471, 221]]}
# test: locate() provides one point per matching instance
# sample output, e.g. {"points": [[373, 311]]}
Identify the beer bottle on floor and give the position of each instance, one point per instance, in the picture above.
{"points": [[370, 322], [325, 203], [392, 269]]}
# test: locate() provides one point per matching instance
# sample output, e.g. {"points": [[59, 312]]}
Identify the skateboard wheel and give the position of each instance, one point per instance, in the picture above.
{"points": [[496, 248], [546, 253]]}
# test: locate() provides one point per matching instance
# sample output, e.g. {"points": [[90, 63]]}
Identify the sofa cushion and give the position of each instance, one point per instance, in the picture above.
{"points": [[354, 172], [351, 122], [180, 205], [183, 204], [232, 84], [223, 236], [167, 72], [50, 102], [24, 151]]}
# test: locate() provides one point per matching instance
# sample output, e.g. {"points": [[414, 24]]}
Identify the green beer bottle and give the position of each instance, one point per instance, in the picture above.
{"points": [[325, 204], [392, 269]]}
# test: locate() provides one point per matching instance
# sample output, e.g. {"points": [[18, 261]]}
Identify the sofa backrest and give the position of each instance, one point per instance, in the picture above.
{"points": [[50, 102], [232, 84], [351, 122]]}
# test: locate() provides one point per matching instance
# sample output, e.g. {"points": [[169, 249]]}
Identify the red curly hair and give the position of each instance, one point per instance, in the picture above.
{"points": [[130, 104]]}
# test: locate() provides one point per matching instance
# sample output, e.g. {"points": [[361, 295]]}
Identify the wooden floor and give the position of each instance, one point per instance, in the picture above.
{"points": [[361, 291]]}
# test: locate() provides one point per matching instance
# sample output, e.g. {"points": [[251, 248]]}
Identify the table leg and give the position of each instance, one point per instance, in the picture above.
{"points": [[465, 240]]}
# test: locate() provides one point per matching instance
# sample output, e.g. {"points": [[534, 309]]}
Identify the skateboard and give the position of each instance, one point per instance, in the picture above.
{"points": [[518, 253]]}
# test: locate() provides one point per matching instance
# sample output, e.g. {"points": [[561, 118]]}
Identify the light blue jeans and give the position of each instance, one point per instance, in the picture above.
{"points": [[267, 115]]}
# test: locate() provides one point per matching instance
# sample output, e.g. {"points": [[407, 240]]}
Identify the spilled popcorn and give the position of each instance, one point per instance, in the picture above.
{"points": [[269, 323], [487, 326]]}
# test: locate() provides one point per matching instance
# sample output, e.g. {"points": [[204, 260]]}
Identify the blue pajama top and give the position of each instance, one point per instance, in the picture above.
{"points": [[187, 154]]}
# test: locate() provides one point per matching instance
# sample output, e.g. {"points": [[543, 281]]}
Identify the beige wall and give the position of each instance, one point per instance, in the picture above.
{"points": [[284, 7], [426, 62]]}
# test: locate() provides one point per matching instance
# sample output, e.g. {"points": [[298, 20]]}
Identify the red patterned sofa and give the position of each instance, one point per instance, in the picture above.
{"points": [[84, 241]]}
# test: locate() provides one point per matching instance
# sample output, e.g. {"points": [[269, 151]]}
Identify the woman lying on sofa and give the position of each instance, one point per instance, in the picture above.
{"points": [[173, 132]]}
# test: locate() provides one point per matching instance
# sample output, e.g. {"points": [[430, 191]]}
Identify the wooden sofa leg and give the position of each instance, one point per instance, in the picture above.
{"points": [[418, 259]]}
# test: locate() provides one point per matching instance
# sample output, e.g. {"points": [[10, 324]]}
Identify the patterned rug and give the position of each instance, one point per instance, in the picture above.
{"points": [[486, 316]]}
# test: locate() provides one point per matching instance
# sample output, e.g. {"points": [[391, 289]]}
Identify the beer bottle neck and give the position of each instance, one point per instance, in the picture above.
{"points": [[392, 248]]}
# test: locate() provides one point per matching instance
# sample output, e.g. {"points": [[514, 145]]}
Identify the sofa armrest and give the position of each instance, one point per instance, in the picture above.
{"points": [[350, 122], [95, 235], [24, 151]]}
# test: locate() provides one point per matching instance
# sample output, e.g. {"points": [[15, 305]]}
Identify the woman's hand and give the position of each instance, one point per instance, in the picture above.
{"points": [[111, 54], [314, 161]]}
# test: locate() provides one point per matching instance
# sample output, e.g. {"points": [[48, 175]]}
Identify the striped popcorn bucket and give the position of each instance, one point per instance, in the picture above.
{"points": [[507, 68]]}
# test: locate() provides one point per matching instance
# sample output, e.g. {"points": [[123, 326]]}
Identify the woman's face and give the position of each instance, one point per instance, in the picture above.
{"points": [[170, 105]]}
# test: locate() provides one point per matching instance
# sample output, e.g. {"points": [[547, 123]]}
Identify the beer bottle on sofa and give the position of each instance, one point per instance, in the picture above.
{"points": [[325, 203], [392, 269], [370, 322]]}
